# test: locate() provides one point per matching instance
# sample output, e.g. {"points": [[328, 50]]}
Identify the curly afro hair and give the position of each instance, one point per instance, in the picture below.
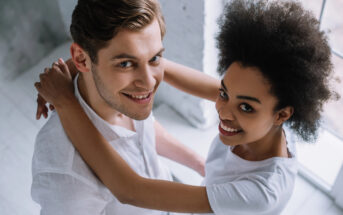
{"points": [[284, 41]]}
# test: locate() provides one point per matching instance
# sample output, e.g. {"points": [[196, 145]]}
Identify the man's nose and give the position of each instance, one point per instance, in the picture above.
{"points": [[146, 78]]}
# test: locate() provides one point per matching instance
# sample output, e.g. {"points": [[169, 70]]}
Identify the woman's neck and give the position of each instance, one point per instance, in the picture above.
{"points": [[272, 145]]}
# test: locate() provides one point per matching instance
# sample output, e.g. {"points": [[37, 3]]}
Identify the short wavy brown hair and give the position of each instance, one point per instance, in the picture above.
{"points": [[285, 42], [95, 22]]}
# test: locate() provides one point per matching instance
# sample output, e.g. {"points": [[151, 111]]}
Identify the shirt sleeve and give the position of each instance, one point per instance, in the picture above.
{"points": [[242, 196], [63, 194]]}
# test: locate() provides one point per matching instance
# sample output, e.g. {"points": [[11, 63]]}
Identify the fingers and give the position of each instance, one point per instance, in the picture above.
{"points": [[44, 84], [41, 78], [63, 66], [57, 67], [38, 86], [51, 107], [54, 64], [60, 66], [41, 107]]}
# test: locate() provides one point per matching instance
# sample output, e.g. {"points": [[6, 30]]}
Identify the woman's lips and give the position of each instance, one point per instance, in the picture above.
{"points": [[228, 131]]}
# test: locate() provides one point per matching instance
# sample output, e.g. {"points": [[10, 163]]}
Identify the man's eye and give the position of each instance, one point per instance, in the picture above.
{"points": [[246, 108], [155, 59], [223, 94], [125, 64]]}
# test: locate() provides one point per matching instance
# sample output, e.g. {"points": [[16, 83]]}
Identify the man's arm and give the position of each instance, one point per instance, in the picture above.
{"points": [[63, 194], [191, 81], [169, 147]]}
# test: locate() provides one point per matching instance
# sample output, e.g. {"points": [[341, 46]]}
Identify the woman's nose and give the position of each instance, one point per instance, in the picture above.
{"points": [[225, 112]]}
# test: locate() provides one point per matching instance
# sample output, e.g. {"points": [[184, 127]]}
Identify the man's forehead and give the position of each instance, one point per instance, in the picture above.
{"points": [[152, 29], [146, 41]]}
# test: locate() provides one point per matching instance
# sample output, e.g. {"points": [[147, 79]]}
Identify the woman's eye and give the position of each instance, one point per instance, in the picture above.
{"points": [[125, 64], [246, 108], [223, 94]]}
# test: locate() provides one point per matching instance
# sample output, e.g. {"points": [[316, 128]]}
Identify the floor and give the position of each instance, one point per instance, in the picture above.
{"points": [[18, 128]]}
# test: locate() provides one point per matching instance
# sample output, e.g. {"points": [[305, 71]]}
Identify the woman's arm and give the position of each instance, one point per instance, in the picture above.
{"points": [[72, 68], [191, 81], [115, 173]]}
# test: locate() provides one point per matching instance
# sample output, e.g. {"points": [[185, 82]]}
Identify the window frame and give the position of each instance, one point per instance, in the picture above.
{"points": [[335, 192]]}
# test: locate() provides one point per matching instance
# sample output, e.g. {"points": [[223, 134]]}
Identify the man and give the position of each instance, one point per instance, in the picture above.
{"points": [[117, 49]]}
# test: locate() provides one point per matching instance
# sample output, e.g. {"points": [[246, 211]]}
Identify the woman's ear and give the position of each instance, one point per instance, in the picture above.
{"points": [[80, 58], [283, 115]]}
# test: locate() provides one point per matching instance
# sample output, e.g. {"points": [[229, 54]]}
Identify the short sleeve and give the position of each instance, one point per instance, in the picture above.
{"points": [[63, 194], [240, 197]]}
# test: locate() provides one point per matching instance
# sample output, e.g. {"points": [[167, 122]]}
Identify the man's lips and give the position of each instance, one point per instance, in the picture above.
{"points": [[140, 98]]}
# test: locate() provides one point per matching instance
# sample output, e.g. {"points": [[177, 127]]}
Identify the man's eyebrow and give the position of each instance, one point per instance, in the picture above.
{"points": [[223, 85], [160, 52], [124, 55], [249, 98]]}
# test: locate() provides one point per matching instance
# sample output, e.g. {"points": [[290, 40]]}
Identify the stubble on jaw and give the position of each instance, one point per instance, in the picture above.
{"points": [[108, 98]]}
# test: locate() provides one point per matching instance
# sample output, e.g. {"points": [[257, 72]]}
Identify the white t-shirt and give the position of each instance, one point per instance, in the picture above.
{"points": [[64, 184], [236, 186]]}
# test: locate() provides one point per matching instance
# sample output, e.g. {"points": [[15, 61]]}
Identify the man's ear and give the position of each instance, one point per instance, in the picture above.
{"points": [[283, 115], [80, 58]]}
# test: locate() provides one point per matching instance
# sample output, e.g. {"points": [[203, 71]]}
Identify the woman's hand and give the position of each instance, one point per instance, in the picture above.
{"points": [[42, 108], [55, 86]]}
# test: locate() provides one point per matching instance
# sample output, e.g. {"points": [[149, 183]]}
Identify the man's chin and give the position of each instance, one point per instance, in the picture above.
{"points": [[140, 115]]}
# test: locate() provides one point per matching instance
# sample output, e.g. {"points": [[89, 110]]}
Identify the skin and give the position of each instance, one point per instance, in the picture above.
{"points": [[131, 65], [261, 134], [132, 68], [241, 86], [124, 69], [127, 186], [245, 104]]}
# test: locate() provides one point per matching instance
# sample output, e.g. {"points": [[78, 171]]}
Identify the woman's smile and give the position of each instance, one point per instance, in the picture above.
{"points": [[227, 130]]}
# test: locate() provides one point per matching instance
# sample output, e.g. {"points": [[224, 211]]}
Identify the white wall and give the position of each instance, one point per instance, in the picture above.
{"points": [[29, 30], [191, 27]]}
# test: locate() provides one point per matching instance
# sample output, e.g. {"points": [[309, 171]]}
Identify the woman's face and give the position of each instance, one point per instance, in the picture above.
{"points": [[245, 106]]}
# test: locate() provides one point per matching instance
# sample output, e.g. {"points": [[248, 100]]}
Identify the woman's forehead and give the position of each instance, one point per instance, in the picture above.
{"points": [[247, 81]]}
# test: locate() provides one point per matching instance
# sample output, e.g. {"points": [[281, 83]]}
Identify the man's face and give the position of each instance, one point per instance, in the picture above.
{"points": [[129, 70]]}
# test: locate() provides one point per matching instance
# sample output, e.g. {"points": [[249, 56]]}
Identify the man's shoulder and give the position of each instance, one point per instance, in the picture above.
{"points": [[51, 129], [53, 149]]}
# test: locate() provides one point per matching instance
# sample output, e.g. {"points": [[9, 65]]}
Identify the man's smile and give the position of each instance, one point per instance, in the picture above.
{"points": [[140, 98]]}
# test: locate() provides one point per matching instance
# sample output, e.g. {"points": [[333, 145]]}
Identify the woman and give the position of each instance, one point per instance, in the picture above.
{"points": [[275, 65]]}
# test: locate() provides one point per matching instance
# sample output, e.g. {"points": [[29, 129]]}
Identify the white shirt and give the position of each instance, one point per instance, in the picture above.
{"points": [[236, 186], [64, 184]]}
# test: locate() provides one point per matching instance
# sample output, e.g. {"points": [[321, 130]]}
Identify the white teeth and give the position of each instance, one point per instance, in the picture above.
{"points": [[140, 97], [227, 128]]}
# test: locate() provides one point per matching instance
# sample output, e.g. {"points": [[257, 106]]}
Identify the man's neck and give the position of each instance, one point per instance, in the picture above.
{"points": [[100, 107]]}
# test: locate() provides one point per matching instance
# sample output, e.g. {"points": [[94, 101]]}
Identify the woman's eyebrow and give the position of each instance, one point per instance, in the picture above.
{"points": [[241, 96], [248, 98]]}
